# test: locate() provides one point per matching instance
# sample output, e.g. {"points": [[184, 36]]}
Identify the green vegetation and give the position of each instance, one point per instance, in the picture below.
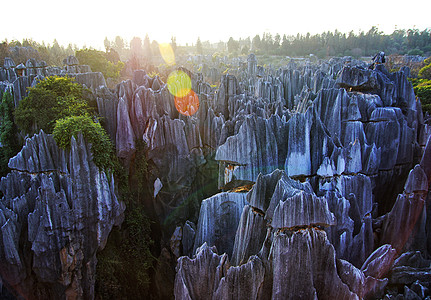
{"points": [[57, 105], [425, 72], [125, 265], [422, 86], [98, 61], [8, 133], [101, 146], [51, 99]]}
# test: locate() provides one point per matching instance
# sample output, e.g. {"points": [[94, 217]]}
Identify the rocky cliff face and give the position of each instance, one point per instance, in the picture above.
{"points": [[56, 212], [330, 224]]}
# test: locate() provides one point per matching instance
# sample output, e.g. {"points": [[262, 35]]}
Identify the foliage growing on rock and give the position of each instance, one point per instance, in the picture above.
{"points": [[101, 146], [51, 99], [125, 265], [422, 85]]}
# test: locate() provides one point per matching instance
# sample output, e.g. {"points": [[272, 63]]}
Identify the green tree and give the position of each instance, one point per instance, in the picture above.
{"points": [[8, 133], [98, 62], [4, 51], [107, 44], [119, 44], [425, 72], [51, 99], [232, 45], [101, 146]]}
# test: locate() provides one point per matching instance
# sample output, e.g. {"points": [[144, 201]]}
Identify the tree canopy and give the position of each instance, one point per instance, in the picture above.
{"points": [[98, 61], [51, 99]]}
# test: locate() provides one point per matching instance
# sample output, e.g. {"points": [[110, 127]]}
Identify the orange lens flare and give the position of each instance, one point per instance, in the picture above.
{"points": [[187, 105]]}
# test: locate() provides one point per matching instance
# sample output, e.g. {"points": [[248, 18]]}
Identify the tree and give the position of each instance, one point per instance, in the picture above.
{"points": [[4, 52], [199, 49], [8, 133], [51, 99], [245, 50], [256, 43], [107, 44], [425, 72], [119, 44], [232, 45], [112, 56], [98, 62]]}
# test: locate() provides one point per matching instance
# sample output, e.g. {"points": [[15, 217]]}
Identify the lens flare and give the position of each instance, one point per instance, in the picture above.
{"points": [[179, 84], [187, 105], [167, 53]]}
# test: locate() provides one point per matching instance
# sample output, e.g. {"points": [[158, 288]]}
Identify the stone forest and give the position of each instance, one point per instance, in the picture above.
{"points": [[305, 181]]}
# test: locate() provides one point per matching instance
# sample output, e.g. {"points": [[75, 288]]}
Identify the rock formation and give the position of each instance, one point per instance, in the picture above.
{"points": [[57, 211], [310, 181], [352, 141]]}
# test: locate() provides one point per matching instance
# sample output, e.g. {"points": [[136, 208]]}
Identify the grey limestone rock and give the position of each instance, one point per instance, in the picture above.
{"points": [[250, 235], [188, 238], [252, 151], [218, 221], [189, 280], [417, 181], [358, 79], [140, 78], [71, 60], [221, 281], [125, 137], [107, 103], [302, 210], [379, 262], [92, 80], [298, 260], [8, 63], [242, 282], [352, 276], [62, 207]]}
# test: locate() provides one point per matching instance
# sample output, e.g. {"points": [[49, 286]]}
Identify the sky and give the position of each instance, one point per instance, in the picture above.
{"points": [[88, 22]]}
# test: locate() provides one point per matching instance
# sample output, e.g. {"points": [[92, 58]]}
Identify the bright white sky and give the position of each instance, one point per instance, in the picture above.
{"points": [[87, 22]]}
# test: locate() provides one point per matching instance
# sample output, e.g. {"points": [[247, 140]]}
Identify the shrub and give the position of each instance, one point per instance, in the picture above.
{"points": [[422, 88], [425, 72], [98, 61], [51, 99], [101, 146]]}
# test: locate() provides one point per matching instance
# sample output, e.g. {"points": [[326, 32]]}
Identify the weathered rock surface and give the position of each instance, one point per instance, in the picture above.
{"points": [[298, 260], [221, 280], [352, 145], [218, 221], [344, 148], [57, 211]]}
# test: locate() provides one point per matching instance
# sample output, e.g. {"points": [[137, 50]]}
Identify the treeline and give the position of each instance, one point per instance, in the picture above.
{"points": [[327, 44], [141, 52]]}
